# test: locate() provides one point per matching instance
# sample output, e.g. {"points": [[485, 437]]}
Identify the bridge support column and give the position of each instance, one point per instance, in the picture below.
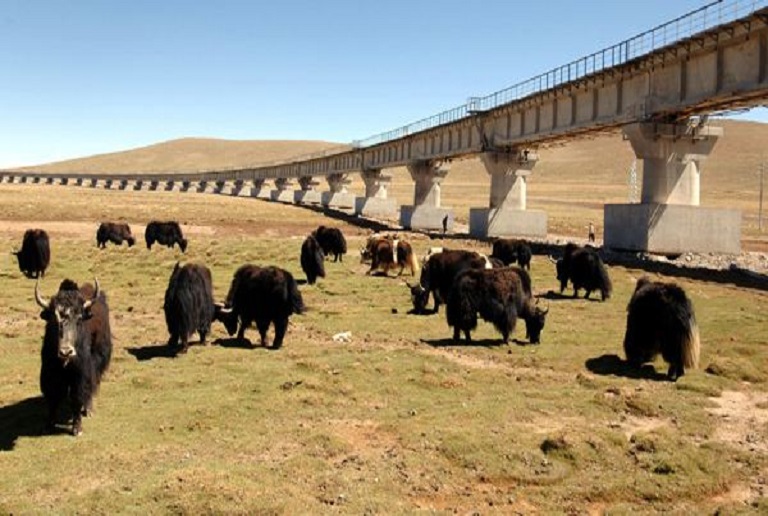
{"points": [[79, 181], [426, 212], [668, 219], [154, 185], [283, 191], [108, 184], [138, 184], [307, 194], [508, 214], [375, 204], [260, 189], [236, 187], [63, 181], [222, 187], [337, 197]]}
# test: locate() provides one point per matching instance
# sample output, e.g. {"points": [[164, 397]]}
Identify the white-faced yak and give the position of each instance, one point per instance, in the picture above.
{"points": [[266, 295], [165, 233], [660, 319], [388, 252], [115, 232], [331, 241], [77, 348], [585, 270], [500, 296], [189, 304], [438, 275], [510, 251], [312, 259], [35, 254]]}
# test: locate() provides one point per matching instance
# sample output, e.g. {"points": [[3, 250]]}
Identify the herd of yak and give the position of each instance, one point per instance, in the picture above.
{"points": [[77, 343]]}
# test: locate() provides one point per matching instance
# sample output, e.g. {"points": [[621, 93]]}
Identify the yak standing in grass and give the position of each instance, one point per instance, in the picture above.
{"points": [[583, 267], [437, 276], [500, 296], [331, 241], [189, 304], [510, 251], [266, 295], [77, 348], [388, 252], [165, 233], [35, 254], [660, 319], [312, 259], [115, 232]]}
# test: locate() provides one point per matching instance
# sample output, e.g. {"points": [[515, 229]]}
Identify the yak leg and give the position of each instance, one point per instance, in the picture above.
{"points": [[281, 325], [244, 323], [456, 334], [675, 371], [467, 336], [587, 293], [263, 327], [173, 340], [184, 344], [203, 335]]}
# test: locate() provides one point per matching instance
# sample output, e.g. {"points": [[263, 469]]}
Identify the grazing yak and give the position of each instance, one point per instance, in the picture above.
{"points": [[264, 295], [115, 232], [77, 348], [660, 319], [388, 252], [510, 251], [312, 259], [35, 254], [584, 268], [165, 233], [189, 304], [500, 296], [331, 241], [437, 276]]}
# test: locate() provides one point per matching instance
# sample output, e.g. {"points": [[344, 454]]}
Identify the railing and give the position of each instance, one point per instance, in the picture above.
{"points": [[687, 25]]}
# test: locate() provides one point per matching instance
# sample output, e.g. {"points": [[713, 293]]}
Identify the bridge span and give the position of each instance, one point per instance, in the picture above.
{"points": [[657, 87]]}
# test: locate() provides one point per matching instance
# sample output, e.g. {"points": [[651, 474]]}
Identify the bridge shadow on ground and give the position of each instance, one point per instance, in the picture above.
{"points": [[25, 418], [480, 343], [612, 365]]}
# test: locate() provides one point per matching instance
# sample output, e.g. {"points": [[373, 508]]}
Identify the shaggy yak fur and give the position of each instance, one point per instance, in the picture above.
{"points": [[312, 259], [77, 348], [165, 233], [510, 251], [115, 232], [331, 241], [266, 295], [584, 268], [660, 319], [438, 274], [387, 252], [189, 304], [500, 296], [35, 254]]}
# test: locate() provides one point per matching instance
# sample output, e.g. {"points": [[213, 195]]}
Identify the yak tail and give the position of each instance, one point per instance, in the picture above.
{"points": [[690, 346], [413, 263], [606, 287], [294, 296]]}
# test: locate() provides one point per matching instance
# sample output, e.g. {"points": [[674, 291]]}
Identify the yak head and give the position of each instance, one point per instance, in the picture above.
{"points": [[227, 316], [130, 241], [66, 312], [183, 245], [534, 322], [419, 297]]}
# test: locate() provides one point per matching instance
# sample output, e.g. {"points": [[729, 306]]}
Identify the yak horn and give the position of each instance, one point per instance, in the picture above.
{"points": [[88, 303], [222, 308], [39, 298], [551, 259]]}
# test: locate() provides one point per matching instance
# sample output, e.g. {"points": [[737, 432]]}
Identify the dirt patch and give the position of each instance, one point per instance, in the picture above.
{"points": [[741, 420]]}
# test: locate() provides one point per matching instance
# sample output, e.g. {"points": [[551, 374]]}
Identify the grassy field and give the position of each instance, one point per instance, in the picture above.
{"points": [[397, 420]]}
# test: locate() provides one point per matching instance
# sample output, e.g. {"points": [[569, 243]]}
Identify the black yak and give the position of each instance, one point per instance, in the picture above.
{"points": [[510, 251], [500, 296], [437, 276], [331, 241], [77, 348], [115, 232], [312, 259], [264, 295], [585, 270], [387, 252], [189, 304], [165, 233], [660, 319], [35, 254]]}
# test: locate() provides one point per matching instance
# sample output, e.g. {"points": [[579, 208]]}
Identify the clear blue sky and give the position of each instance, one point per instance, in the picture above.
{"points": [[81, 77]]}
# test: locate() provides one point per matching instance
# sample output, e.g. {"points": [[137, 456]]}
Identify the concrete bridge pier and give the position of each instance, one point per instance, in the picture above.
{"points": [[507, 214], [153, 186], [237, 187], [260, 189], [63, 181], [49, 180], [138, 184], [668, 219], [338, 197], [221, 187], [426, 212], [375, 204], [79, 181], [307, 193], [283, 191]]}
